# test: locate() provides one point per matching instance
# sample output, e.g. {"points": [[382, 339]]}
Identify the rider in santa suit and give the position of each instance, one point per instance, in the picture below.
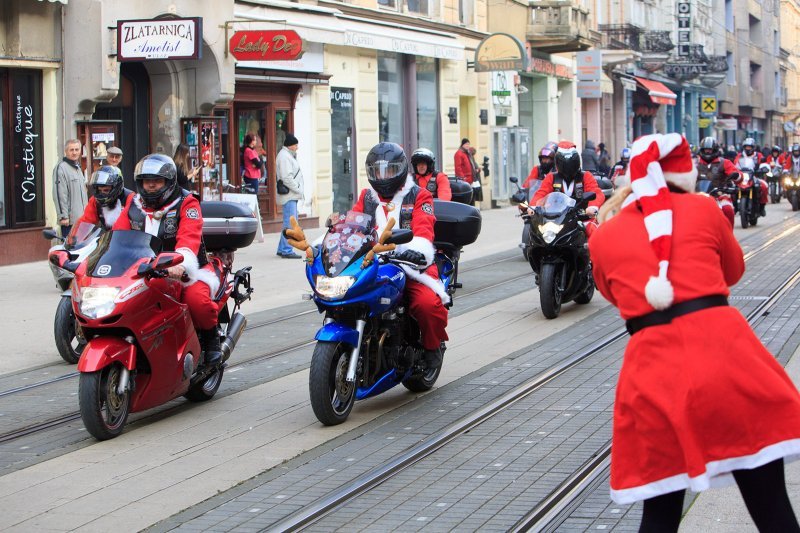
{"points": [[108, 198], [393, 194], [693, 408], [172, 214], [748, 159]]}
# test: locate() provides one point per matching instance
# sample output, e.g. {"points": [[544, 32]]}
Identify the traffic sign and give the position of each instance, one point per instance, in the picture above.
{"points": [[708, 104], [703, 122]]}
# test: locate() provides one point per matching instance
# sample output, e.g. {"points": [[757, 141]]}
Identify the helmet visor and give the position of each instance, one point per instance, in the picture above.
{"points": [[104, 177], [384, 170]]}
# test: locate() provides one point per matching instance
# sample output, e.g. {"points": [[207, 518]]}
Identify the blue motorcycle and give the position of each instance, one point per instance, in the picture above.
{"points": [[369, 341]]}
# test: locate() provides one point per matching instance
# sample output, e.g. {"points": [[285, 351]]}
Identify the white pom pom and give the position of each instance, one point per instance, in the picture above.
{"points": [[659, 292]]}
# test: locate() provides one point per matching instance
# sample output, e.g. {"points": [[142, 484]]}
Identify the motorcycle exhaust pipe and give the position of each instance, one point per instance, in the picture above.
{"points": [[235, 329]]}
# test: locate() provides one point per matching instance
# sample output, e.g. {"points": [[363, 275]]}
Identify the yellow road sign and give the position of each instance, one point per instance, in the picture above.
{"points": [[708, 104], [703, 122]]}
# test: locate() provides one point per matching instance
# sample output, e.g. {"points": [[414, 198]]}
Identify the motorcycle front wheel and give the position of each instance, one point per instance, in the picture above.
{"points": [[549, 292], [332, 396], [744, 212], [68, 343], [794, 200], [103, 410]]}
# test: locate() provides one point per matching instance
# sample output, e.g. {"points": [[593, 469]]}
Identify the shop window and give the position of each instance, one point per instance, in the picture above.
{"points": [[390, 97], [22, 188], [428, 104]]}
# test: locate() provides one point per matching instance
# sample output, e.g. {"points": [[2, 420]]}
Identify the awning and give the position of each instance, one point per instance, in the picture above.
{"points": [[658, 92]]}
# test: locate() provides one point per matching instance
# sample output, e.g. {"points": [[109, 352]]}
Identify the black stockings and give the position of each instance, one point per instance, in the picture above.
{"points": [[763, 490]]}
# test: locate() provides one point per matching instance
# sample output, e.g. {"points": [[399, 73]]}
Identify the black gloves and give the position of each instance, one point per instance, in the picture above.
{"points": [[412, 256]]}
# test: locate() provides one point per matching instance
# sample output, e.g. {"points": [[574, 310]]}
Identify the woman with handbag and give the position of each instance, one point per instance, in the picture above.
{"points": [[289, 187]]}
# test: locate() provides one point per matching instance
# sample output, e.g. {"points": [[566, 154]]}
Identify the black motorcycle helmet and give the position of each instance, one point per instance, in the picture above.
{"points": [[387, 168], [796, 150], [749, 146], [423, 155], [709, 149], [568, 161], [546, 158], [155, 166], [776, 150], [106, 176]]}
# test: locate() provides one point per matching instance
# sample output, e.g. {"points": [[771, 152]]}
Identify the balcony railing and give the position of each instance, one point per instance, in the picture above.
{"points": [[557, 26], [621, 36]]}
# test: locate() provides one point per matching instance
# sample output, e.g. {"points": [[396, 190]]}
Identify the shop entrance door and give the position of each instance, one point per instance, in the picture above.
{"points": [[342, 149]]}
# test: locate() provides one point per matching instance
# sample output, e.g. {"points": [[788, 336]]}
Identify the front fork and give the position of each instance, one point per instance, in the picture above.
{"points": [[353, 363]]}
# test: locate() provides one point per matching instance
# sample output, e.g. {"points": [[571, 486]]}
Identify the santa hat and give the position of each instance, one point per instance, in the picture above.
{"points": [[656, 160]]}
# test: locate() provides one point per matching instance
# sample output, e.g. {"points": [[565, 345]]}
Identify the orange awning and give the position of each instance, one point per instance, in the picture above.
{"points": [[658, 92]]}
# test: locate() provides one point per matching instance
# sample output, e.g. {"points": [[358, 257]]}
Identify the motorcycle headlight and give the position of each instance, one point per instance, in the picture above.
{"points": [[787, 181], [97, 302], [332, 288], [549, 231]]}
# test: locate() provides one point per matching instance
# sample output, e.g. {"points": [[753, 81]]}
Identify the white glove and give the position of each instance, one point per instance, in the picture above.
{"points": [[591, 210]]}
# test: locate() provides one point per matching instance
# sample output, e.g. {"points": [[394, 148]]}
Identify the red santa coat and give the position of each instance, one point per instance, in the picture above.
{"points": [[533, 176], [91, 213], [589, 185], [701, 396], [463, 165], [443, 191]]}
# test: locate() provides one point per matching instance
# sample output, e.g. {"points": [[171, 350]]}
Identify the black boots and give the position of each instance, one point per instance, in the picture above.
{"points": [[763, 210], [433, 358], [209, 342]]}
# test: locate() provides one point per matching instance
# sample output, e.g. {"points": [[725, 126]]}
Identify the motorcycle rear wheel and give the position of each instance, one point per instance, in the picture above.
{"points": [[104, 412], [68, 344], [422, 381], [332, 396], [205, 390], [549, 293]]}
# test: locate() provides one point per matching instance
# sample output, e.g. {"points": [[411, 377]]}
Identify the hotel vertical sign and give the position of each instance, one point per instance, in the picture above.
{"points": [[684, 27]]}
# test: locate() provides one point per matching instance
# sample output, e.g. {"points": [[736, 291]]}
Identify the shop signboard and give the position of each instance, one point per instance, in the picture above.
{"points": [[589, 65], [543, 66], [727, 123], [25, 134], [500, 51], [151, 39], [589, 89], [266, 45]]}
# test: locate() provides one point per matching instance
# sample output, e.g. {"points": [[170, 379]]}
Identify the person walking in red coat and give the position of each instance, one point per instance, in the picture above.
{"points": [[423, 164], [464, 169], [692, 409]]}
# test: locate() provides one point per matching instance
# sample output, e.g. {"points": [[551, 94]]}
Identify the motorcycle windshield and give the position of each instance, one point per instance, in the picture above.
{"points": [[118, 250], [80, 235], [555, 203], [349, 238]]}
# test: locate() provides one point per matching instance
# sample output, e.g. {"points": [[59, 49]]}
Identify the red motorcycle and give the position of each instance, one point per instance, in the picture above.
{"points": [[142, 347]]}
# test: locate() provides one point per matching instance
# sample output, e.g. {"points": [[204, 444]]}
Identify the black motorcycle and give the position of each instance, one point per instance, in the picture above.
{"points": [[558, 251], [791, 185], [749, 206], [774, 183]]}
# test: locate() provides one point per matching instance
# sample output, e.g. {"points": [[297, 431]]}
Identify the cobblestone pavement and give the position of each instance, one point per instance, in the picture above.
{"points": [[490, 477]]}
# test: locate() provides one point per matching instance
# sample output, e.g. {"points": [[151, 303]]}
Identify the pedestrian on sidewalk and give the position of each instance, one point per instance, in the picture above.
{"points": [[69, 187], [113, 156], [589, 159], [183, 164], [463, 163], [251, 162], [289, 187], [477, 191], [693, 408]]}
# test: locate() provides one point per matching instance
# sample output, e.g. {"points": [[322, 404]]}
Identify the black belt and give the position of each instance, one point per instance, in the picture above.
{"points": [[658, 318]]}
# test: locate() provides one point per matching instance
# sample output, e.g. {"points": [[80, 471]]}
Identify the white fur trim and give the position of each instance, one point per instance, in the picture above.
{"points": [[112, 214], [717, 473], [196, 273], [421, 245], [435, 285], [658, 291], [683, 180], [381, 217]]}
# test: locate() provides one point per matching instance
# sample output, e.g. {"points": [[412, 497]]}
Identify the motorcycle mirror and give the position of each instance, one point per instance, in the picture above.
{"points": [[400, 236], [513, 179], [167, 259], [50, 234], [143, 270]]}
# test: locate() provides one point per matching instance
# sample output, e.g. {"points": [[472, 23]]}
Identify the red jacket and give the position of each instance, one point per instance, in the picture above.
{"points": [[780, 160], [443, 191], [190, 225], [533, 176], [705, 258], [589, 185], [463, 165]]}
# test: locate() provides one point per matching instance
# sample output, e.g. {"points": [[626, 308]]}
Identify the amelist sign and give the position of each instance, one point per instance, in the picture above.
{"points": [[266, 45], [174, 38]]}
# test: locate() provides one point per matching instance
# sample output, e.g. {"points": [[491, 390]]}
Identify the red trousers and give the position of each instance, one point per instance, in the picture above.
{"points": [[203, 309], [427, 308]]}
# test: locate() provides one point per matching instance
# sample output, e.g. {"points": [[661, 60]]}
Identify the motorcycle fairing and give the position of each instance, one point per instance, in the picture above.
{"points": [[335, 332], [103, 351], [384, 383]]}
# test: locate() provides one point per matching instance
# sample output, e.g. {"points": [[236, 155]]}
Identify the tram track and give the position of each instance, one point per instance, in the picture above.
{"points": [[566, 492], [73, 416]]}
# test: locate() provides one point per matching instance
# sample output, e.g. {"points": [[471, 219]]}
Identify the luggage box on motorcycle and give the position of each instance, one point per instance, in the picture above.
{"points": [[227, 225], [462, 191], [457, 224]]}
